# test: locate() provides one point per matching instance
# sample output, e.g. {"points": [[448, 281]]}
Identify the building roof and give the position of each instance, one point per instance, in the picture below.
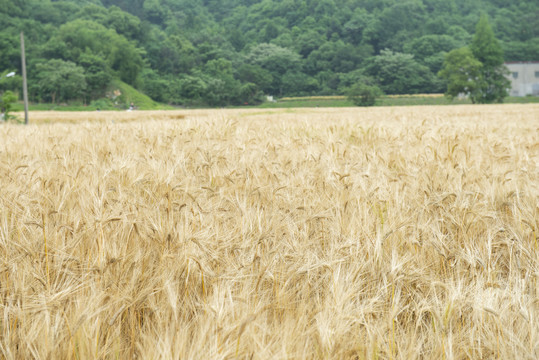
{"points": [[521, 62]]}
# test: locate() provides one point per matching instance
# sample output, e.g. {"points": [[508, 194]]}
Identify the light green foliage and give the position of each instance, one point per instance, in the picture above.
{"points": [[462, 72], [12, 83], [60, 80], [223, 88], [6, 103], [274, 58], [121, 55], [399, 73], [277, 61], [130, 95], [280, 47], [478, 70]]}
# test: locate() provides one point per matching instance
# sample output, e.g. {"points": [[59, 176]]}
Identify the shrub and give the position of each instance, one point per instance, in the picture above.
{"points": [[6, 102], [362, 94]]}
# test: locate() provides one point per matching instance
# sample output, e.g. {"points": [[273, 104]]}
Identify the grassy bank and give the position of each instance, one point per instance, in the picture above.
{"points": [[390, 100]]}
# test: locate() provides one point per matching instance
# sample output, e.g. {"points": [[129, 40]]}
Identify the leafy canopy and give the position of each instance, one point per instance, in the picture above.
{"points": [[478, 70]]}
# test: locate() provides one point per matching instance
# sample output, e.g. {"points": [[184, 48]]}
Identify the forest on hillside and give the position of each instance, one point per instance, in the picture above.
{"points": [[221, 52]]}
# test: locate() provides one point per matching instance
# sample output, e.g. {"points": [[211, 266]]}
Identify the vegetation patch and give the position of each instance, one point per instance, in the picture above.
{"points": [[235, 53]]}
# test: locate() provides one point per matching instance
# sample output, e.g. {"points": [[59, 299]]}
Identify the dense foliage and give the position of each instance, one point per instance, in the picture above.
{"points": [[235, 51], [477, 70]]}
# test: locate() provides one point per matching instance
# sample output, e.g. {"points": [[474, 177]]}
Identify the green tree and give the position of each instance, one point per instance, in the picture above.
{"points": [[308, 41], [477, 71], [395, 24], [11, 83], [277, 61], [462, 71], [299, 84], [81, 36], [124, 23], [336, 56], [519, 51], [399, 73], [222, 88], [6, 102], [430, 49], [9, 51], [97, 73], [188, 89], [154, 86], [353, 29], [60, 80], [254, 74], [362, 94], [492, 84]]}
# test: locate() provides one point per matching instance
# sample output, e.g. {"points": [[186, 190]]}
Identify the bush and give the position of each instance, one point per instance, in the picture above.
{"points": [[6, 102], [103, 104], [362, 94]]}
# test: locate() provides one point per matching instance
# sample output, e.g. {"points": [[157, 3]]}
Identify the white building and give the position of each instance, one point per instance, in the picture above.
{"points": [[524, 78]]}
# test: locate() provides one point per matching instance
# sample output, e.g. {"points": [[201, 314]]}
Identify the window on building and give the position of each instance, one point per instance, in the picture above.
{"points": [[515, 75], [537, 74]]}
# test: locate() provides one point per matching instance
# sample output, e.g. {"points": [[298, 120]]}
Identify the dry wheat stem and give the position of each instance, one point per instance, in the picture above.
{"points": [[388, 233]]}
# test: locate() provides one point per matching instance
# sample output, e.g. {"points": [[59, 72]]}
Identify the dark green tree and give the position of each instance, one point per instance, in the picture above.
{"points": [[97, 73], [154, 86], [9, 52], [336, 56], [254, 74], [362, 94], [492, 84], [222, 88], [430, 49], [299, 84]]}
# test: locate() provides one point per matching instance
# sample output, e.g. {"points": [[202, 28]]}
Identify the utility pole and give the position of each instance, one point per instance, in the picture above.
{"points": [[24, 83]]}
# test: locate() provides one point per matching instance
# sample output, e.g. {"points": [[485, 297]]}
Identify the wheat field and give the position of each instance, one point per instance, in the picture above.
{"points": [[384, 233]]}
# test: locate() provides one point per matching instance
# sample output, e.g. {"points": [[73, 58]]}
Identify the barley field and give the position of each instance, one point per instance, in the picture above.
{"points": [[385, 233]]}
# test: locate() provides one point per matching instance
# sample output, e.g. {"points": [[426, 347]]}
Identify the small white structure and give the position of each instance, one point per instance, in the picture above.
{"points": [[524, 77]]}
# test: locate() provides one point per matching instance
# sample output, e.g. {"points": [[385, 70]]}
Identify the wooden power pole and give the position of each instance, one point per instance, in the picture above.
{"points": [[24, 83]]}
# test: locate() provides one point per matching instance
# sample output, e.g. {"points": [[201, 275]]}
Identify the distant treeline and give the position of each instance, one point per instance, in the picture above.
{"points": [[220, 52]]}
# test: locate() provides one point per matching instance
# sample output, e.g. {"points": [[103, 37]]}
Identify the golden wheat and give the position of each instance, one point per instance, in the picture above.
{"points": [[387, 233]]}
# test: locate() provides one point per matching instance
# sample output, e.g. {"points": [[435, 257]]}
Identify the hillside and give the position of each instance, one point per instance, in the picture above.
{"points": [[207, 52]]}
